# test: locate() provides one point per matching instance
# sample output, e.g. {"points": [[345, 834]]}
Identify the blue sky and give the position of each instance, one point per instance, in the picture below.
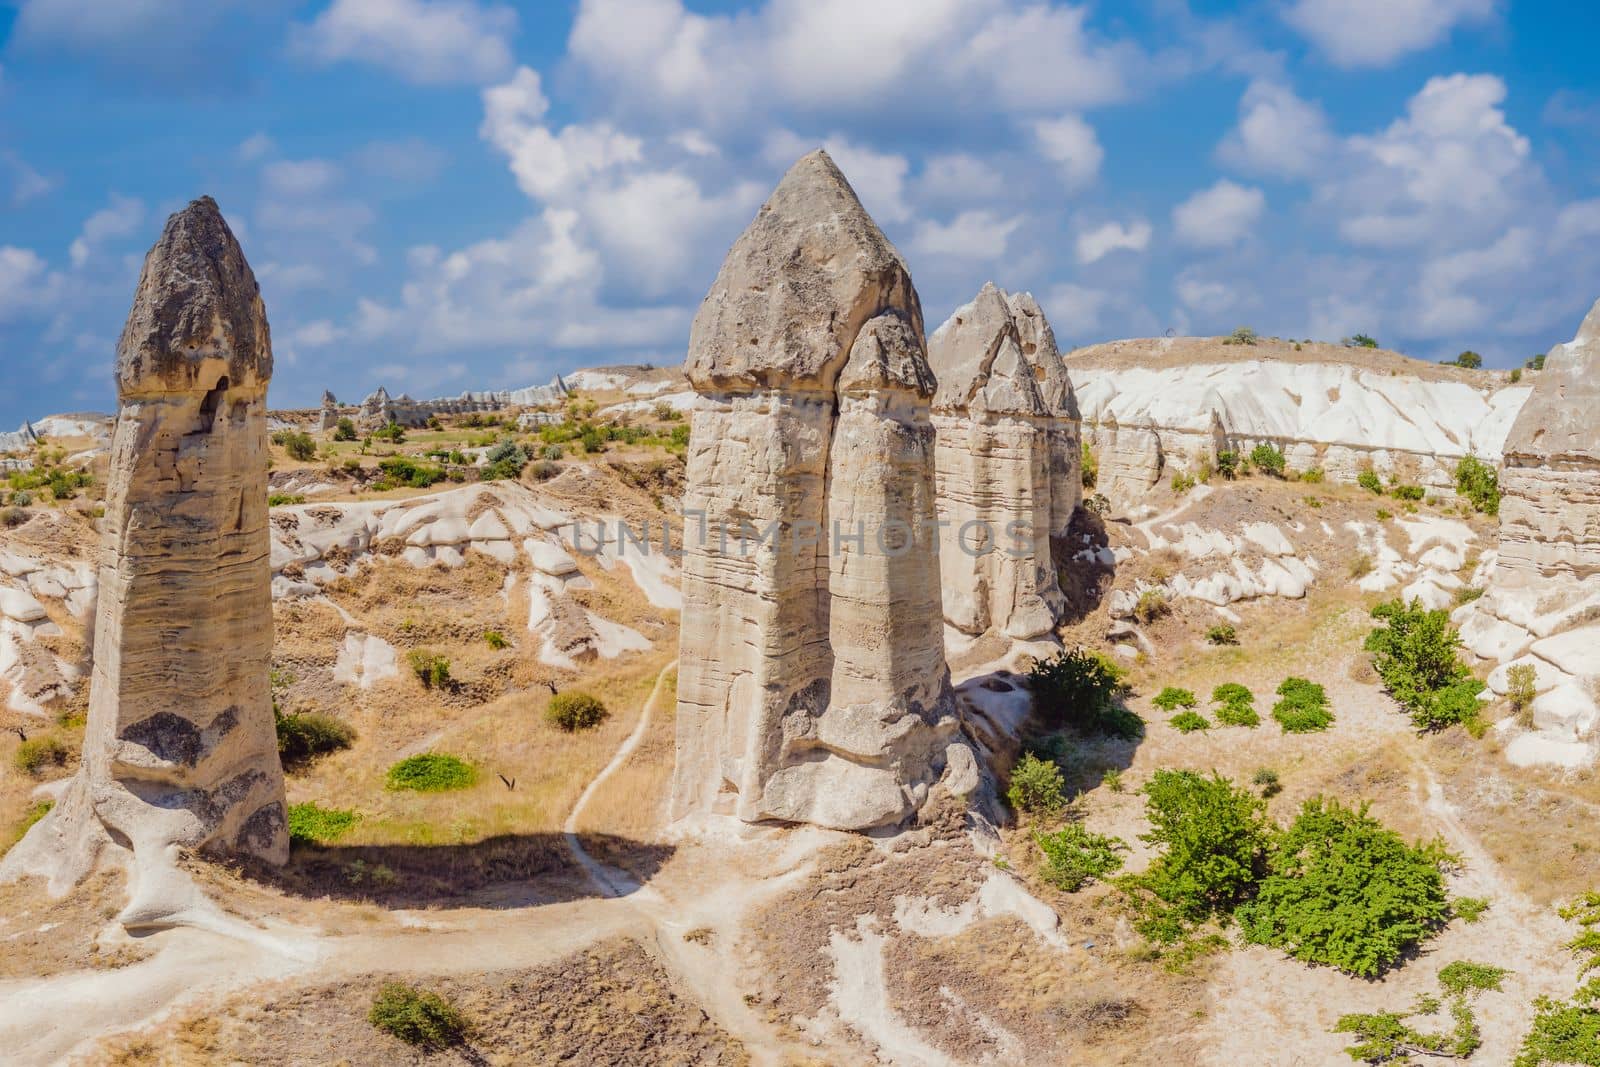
{"points": [[439, 195]]}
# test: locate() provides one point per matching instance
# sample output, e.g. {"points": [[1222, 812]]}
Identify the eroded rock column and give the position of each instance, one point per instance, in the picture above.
{"points": [[180, 749], [806, 692]]}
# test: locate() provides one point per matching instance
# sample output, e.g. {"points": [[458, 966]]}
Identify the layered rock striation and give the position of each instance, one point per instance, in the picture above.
{"points": [[812, 683], [1544, 583], [1007, 462], [180, 749]]}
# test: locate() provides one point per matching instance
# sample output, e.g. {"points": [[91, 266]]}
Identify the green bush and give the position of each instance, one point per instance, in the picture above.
{"points": [[1073, 857], [1228, 463], [1368, 479], [344, 430], [1469, 909], [1516, 375], [1222, 634], [1267, 459], [37, 753], [1480, 483], [1213, 836], [496, 640], [432, 772], [1171, 698], [1468, 359], [575, 711], [1568, 1031], [1182, 482], [299, 445], [1464, 976], [1344, 890], [312, 824], [1036, 787], [1235, 705], [505, 461], [1302, 707], [1414, 653], [1313, 475], [1361, 340], [431, 669], [403, 471], [1407, 492], [1152, 604], [1189, 721], [1266, 780], [417, 1017], [1090, 467], [1522, 681], [1082, 688], [306, 735], [393, 433]]}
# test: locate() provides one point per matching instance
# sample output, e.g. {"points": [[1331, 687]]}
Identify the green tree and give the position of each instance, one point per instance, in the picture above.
{"points": [[1479, 482], [344, 430], [1414, 653], [1082, 688], [1267, 459], [1345, 890], [1468, 359]]}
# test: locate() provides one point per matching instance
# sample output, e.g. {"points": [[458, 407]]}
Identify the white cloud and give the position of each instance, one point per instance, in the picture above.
{"points": [[958, 178], [254, 147], [1278, 133], [120, 218], [549, 165], [1374, 33], [1075, 307], [1218, 216], [980, 235], [319, 333], [654, 224], [1452, 166], [1207, 296], [410, 160], [431, 42], [27, 287], [1095, 244], [1071, 144], [1457, 291], [299, 177], [26, 183]]}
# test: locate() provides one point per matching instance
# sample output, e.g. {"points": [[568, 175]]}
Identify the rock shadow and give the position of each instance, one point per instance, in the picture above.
{"points": [[1085, 568]]}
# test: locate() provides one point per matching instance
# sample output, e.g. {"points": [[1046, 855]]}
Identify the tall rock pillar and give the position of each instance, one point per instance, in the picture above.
{"points": [[806, 691], [180, 750]]}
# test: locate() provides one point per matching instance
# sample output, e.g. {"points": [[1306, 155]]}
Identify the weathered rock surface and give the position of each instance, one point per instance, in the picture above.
{"points": [[1544, 585], [1007, 461], [812, 683], [1152, 407], [180, 749]]}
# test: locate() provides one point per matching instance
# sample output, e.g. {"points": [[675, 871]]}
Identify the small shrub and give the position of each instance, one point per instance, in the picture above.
{"points": [[1303, 707], [1313, 475], [1479, 483], [278, 500], [574, 711], [1346, 891], [393, 433], [550, 453], [1036, 787], [1469, 909], [1384, 514], [12, 516], [1266, 780], [1361, 340], [1222, 634], [300, 446], [22, 498], [312, 824], [344, 430], [1244, 335], [1267, 459], [1182, 482], [431, 669], [417, 1017], [431, 772], [1521, 681], [1089, 466], [496, 640], [1151, 606], [37, 753], [307, 735], [1464, 976], [1368, 479], [1228, 464], [1407, 492], [1468, 593], [1171, 698], [1082, 688], [1074, 857], [1516, 375], [1112, 779], [1236, 705], [1189, 721]]}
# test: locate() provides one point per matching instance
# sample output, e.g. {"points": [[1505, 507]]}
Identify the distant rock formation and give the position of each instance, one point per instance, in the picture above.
{"points": [[21, 439], [379, 409], [328, 415], [1154, 407], [1008, 464], [812, 685], [1544, 586], [180, 750]]}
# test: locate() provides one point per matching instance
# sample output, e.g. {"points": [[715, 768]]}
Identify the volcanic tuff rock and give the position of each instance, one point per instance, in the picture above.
{"points": [[180, 749], [1007, 461], [812, 682], [1544, 586]]}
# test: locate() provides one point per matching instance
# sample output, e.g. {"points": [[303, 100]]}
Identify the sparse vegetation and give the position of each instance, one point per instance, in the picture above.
{"points": [[400, 470], [1516, 375], [1111, 778], [1522, 680], [278, 500], [1361, 565], [1386, 1037], [1082, 688], [1222, 634], [306, 735], [36, 754], [1152, 604], [1407, 492], [300, 445], [1469, 909], [1302, 707], [574, 710], [1244, 335], [504, 461], [394, 433], [1074, 857], [312, 824], [431, 772], [1267, 459], [1182, 482], [1235, 705], [1568, 1031], [1089, 467], [417, 1017], [496, 640], [1172, 698], [1346, 891], [1266, 780], [1368, 479], [1228, 463], [1414, 652], [1479, 483]]}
